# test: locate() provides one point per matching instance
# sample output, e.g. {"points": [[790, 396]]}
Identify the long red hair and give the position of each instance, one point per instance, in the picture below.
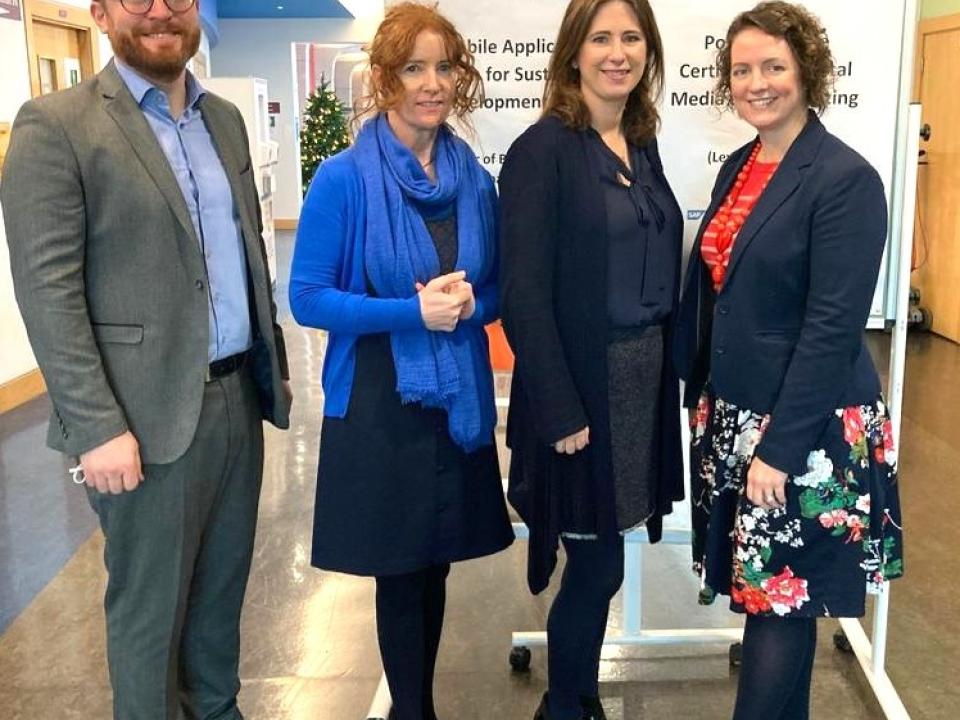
{"points": [[391, 48]]}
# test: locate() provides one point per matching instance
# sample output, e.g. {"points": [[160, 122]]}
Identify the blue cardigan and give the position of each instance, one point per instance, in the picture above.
{"points": [[328, 288]]}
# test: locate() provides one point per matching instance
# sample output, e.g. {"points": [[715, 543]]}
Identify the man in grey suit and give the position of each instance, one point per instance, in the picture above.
{"points": [[134, 231]]}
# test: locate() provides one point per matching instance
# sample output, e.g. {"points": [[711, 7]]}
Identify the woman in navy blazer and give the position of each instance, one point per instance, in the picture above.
{"points": [[795, 504], [590, 265]]}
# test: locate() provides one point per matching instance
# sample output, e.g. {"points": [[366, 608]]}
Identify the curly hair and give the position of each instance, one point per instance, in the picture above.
{"points": [[807, 40], [562, 96], [391, 48]]}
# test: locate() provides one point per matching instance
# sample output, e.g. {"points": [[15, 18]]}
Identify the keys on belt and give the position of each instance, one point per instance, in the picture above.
{"points": [[221, 368]]}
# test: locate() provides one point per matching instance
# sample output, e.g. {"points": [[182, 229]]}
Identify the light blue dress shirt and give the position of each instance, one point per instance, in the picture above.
{"points": [[189, 148]]}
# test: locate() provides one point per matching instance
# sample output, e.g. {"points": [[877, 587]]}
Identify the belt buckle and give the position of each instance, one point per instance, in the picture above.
{"points": [[224, 366]]}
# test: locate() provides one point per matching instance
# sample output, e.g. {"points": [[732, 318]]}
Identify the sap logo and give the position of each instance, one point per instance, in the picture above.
{"points": [[695, 214]]}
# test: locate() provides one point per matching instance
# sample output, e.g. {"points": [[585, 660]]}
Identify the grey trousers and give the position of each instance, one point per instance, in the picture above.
{"points": [[178, 553]]}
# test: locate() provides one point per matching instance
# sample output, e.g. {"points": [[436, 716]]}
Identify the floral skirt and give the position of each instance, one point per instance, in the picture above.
{"points": [[837, 537]]}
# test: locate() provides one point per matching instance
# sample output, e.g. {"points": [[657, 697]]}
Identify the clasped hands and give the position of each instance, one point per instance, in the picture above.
{"points": [[445, 301]]}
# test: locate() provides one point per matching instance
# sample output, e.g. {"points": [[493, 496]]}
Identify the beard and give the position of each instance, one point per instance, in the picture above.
{"points": [[166, 65]]}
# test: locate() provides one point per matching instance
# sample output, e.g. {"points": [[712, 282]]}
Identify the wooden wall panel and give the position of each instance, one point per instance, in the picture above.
{"points": [[937, 243]]}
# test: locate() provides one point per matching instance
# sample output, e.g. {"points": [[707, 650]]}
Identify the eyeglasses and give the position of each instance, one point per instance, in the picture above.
{"points": [[142, 7]]}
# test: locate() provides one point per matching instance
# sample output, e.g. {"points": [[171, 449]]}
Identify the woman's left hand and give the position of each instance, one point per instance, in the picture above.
{"points": [[465, 291], [766, 486]]}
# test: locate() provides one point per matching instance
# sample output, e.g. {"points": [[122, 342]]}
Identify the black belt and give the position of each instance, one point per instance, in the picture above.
{"points": [[221, 368]]}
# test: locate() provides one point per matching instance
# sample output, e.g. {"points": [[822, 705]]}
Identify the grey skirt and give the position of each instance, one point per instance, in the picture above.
{"points": [[634, 365]]}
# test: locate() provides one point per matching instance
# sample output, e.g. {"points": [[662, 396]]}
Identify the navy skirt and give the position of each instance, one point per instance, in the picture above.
{"points": [[394, 493], [634, 365]]}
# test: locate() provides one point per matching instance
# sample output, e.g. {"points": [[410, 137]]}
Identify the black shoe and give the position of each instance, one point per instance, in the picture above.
{"points": [[542, 713], [592, 709]]}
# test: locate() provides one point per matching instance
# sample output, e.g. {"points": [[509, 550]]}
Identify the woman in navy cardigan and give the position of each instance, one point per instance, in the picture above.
{"points": [[793, 471], [590, 264], [396, 258]]}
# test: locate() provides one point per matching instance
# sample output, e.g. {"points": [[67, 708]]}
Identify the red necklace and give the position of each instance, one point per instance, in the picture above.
{"points": [[727, 223]]}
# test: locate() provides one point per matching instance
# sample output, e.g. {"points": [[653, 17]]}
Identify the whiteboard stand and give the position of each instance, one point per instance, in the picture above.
{"points": [[382, 702], [871, 652], [632, 632], [632, 602]]}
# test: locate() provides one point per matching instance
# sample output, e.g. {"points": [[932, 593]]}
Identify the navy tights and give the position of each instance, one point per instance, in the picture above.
{"points": [[777, 669], [409, 622], [578, 620]]}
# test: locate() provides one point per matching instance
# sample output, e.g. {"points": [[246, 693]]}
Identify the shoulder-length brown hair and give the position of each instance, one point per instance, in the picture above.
{"points": [[807, 40], [391, 48], [561, 95]]}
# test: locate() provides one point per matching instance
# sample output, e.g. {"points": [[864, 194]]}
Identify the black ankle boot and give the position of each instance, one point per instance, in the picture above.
{"points": [[592, 709], [542, 712]]}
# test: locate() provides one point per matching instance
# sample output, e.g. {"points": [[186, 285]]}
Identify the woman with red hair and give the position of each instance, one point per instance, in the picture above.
{"points": [[396, 258]]}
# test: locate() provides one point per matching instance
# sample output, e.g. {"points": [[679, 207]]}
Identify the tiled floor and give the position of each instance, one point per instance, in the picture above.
{"points": [[309, 640], [43, 519]]}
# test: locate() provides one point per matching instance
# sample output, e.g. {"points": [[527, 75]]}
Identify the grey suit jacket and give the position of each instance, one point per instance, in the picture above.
{"points": [[108, 271]]}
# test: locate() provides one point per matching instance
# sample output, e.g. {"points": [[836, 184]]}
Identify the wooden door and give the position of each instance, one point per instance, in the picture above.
{"points": [[61, 44], [57, 54], [937, 237]]}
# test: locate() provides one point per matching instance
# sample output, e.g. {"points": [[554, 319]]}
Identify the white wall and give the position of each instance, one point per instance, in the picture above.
{"points": [[205, 49], [263, 48], [16, 357]]}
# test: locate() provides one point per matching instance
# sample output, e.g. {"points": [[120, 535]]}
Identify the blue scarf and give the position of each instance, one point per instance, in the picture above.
{"points": [[443, 370]]}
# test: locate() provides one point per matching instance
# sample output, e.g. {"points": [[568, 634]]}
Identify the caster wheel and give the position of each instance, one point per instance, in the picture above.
{"points": [[841, 642], [520, 659], [927, 322], [736, 654]]}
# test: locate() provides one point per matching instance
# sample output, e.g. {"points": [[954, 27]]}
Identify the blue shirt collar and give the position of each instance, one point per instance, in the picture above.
{"points": [[140, 87]]}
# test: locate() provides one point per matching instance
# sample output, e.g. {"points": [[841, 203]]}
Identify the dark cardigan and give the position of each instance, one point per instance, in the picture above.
{"points": [[785, 334], [553, 284]]}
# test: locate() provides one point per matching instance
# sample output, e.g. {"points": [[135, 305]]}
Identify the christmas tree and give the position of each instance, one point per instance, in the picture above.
{"points": [[324, 131]]}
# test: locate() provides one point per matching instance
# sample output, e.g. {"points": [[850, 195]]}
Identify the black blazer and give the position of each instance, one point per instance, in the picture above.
{"points": [[785, 334], [553, 284]]}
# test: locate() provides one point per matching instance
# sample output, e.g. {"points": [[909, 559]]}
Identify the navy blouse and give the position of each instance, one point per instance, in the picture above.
{"points": [[641, 282]]}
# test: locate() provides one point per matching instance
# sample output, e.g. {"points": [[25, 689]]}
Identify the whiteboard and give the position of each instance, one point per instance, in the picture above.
{"points": [[512, 42]]}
